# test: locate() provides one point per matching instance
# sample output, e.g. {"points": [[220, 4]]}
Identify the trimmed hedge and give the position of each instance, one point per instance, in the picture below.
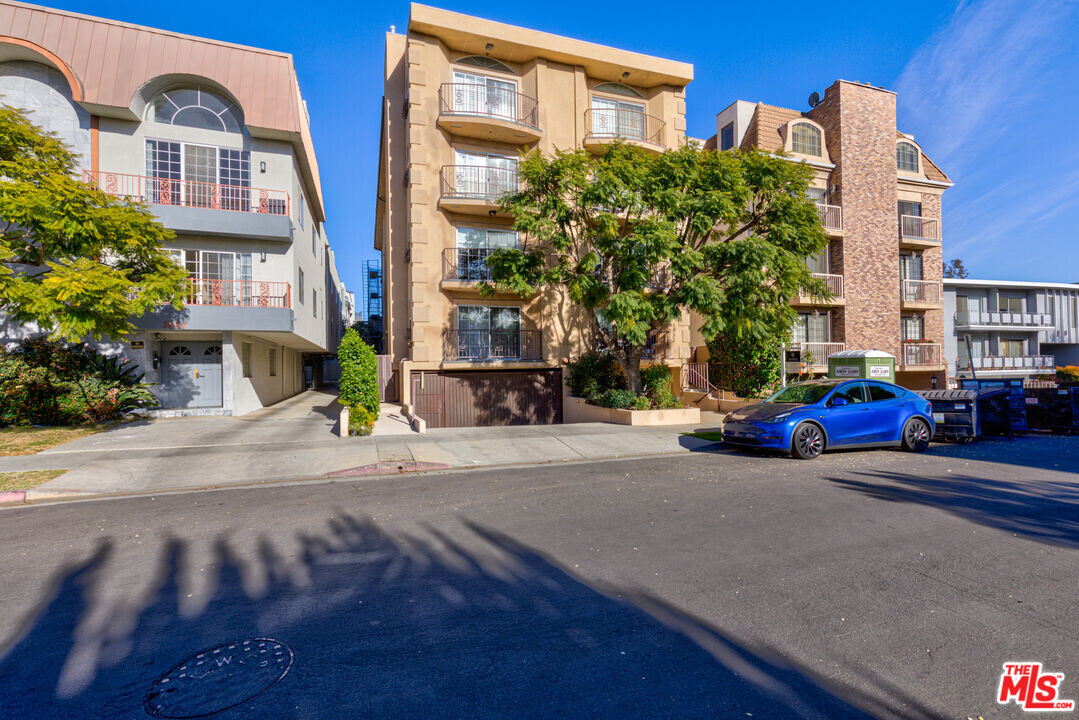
{"points": [[358, 386]]}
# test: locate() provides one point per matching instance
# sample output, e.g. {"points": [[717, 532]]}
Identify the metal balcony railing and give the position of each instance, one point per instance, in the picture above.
{"points": [[918, 228], [493, 345], [1004, 319], [190, 193], [819, 352], [488, 101], [834, 283], [1020, 362], [466, 264], [656, 347], [478, 181], [831, 216], [923, 291], [624, 124], [921, 353], [238, 293]]}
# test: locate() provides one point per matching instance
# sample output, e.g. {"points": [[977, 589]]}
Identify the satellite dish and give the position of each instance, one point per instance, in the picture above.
{"points": [[814, 99]]}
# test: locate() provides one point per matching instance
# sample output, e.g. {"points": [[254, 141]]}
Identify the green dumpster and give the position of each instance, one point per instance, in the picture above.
{"points": [[873, 364]]}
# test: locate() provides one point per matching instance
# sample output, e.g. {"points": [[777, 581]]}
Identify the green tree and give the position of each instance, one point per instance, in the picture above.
{"points": [[955, 269], [74, 260], [358, 385], [745, 365], [637, 238]]}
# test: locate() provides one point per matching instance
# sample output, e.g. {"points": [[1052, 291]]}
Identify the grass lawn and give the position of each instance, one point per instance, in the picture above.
{"points": [[29, 440], [713, 435], [27, 479]]}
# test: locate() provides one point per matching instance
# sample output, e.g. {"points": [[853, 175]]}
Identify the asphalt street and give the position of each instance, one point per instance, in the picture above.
{"points": [[703, 585]]}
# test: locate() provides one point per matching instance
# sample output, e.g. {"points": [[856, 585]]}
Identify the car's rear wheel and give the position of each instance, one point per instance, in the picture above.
{"points": [[807, 441], [916, 435]]}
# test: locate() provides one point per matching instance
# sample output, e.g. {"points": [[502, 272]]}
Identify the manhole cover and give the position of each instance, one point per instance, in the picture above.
{"points": [[219, 678]]}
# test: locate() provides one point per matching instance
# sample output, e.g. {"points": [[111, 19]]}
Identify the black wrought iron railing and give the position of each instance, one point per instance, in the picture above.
{"points": [[493, 345], [488, 101], [624, 124], [478, 181]]}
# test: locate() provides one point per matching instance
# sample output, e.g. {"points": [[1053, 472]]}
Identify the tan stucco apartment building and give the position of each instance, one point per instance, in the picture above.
{"points": [[463, 97], [880, 202], [215, 137]]}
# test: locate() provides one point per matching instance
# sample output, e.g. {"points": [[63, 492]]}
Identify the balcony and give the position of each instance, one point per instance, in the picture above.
{"points": [[814, 355], [218, 305], [606, 126], [204, 208], [1003, 321], [1019, 363], [918, 232], [476, 189], [831, 218], [920, 294], [488, 113], [835, 287], [915, 355], [488, 345]]}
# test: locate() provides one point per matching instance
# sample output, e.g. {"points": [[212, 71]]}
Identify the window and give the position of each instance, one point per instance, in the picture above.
{"points": [[314, 302], [811, 327], [473, 247], [617, 89], [483, 174], [817, 195], [273, 362], [1010, 304], [618, 118], [300, 286], [726, 137], [914, 209], [488, 332], [854, 393], [482, 95], [217, 278], [878, 392], [485, 63], [913, 327], [195, 107], [1012, 348], [906, 157], [186, 174], [314, 243], [300, 215], [818, 263], [910, 266], [805, 139], [245, 359]]}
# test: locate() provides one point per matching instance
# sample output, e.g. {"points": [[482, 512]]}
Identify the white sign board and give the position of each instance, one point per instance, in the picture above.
{"points": [[847, 371], [879, 371]]}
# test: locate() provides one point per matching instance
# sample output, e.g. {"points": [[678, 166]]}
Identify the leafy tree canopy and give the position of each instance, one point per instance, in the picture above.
{"points": [[955, 269], [74, 260], [637, 238]]}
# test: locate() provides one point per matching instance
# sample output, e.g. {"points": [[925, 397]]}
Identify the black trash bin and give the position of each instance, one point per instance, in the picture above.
{"points": [[1055, 409], [963, 415]]}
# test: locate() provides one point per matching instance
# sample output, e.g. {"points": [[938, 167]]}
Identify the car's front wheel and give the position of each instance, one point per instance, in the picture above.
{"points": [[916, 435], [807, 441]]}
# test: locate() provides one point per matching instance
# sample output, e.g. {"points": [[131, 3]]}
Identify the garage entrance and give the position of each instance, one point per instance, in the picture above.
{"points": [[485, 398], [190, 375]]}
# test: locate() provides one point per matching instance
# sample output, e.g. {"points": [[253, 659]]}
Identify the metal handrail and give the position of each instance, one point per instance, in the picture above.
{"points": [[488, 101], [921, 353], [623, 123], [478, 181], [190, 193], [819, 350], [492, 345], [1004, 319], [927, 291], [919, 228], [831, 216], [238, 293], [695, 377], [833, 282]]}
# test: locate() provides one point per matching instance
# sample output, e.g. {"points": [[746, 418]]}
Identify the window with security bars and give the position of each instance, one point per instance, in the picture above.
{"points": [[806, 139]]}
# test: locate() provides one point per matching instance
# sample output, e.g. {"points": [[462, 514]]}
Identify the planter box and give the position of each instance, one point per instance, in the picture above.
{"points": [[578, 410]]}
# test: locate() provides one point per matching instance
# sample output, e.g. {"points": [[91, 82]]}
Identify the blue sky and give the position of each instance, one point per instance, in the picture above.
{"points": [[989, 89]]}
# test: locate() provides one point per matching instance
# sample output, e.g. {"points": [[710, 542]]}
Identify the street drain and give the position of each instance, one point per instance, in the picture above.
{"points": [[219, 678]]}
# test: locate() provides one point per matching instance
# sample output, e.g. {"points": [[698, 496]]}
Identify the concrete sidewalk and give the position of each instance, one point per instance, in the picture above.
{"points": [[125, 464]]}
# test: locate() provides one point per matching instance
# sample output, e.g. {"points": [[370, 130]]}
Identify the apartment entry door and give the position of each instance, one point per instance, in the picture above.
{"points": [[191, 375]]}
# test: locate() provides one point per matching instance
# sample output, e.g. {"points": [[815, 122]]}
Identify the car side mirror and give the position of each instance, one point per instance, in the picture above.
{"points": [[838, 402]]}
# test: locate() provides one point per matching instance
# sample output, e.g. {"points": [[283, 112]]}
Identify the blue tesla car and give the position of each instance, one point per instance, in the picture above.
{"points": [[806, 418]]}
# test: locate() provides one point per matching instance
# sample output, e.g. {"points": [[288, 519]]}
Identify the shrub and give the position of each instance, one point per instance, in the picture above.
{"points": [[616, 398], [1069, 374], [359, 373], [360, 420], [746, 365], [655, 376], [663, 399], [50, 383], [592, 374], [642, 403]]}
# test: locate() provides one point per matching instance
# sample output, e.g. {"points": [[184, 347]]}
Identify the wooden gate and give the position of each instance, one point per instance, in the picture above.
{"points": [[485, 398], [387, 379]]}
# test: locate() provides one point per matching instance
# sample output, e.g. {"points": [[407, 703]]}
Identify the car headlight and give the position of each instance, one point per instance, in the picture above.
{"points": [[777, 419]]}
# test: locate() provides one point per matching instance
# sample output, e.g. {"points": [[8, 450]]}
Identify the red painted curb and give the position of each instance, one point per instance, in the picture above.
{"points": [[12, 496]]}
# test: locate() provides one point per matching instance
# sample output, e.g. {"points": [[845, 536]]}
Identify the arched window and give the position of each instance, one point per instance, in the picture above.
{"points": [[805, 139], [195, 107], [617, 89], [485, 63], [180, 350], [906, 157]]}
